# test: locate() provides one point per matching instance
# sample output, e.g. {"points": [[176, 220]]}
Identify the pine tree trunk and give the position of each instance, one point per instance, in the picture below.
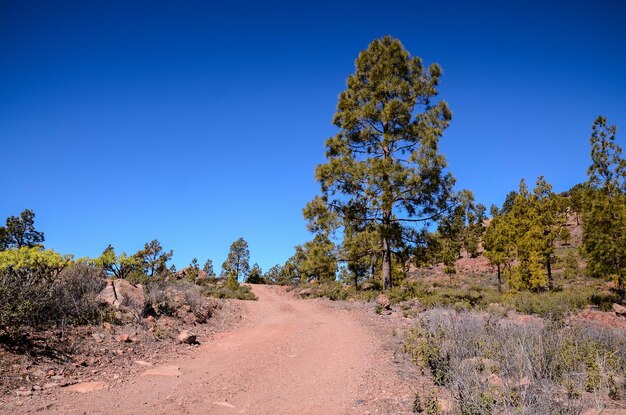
{"points": [[549, 269], [499, 278], [386, 265]]}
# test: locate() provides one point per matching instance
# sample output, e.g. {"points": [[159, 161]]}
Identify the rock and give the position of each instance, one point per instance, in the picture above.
{"points": [[107, 326], [121, 293], [620, 310], [187, 337], [124, 338], [307, 292], [51, 372], [98, 337], [383, 301], [169, 371], [86, 387], [445, 406], [143, 363], [495, 381], [50, 385], [23, 393]]}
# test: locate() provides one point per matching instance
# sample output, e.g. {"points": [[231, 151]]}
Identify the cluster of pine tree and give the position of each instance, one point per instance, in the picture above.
{"points": [[387, 199]]}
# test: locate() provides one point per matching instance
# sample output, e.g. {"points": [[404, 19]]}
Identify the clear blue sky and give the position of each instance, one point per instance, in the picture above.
{"points": [[197, 123]]}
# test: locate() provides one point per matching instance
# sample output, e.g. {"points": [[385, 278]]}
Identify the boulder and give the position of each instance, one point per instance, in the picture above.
{"points": [[308, 292], [187, 337], [121, 293], [620, 310], [87, 387], [383, 301]]}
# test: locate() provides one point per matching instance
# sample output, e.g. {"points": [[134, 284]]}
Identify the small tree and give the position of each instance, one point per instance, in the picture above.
{"points": [[549, 214], [319, 262], [237, 263], [20, 232], [272, 276], [118, 266], [208, 268], [256, 275], [497, 242], [154, 259]]}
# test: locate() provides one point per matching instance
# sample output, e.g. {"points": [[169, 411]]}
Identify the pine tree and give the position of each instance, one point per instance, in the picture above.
{"points": [[384, 167], [498, 243], [20, 232], [237, 263], [549, 216], [604, 225], [208, 268]]}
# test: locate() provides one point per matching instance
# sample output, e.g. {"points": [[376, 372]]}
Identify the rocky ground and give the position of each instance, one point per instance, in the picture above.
{"points": [[278, 355], [88, 357]]}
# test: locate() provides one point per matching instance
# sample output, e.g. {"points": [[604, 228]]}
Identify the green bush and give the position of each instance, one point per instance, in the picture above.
{"points": [[242, 292]]}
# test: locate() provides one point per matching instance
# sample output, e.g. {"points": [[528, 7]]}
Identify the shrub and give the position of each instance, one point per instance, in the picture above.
{"points": [[242, 292], [494, 365], [74, 294], [27, 276]]}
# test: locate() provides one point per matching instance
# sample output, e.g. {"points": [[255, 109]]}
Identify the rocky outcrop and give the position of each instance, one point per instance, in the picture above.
{"points": [[383, 301], [122, 295]]}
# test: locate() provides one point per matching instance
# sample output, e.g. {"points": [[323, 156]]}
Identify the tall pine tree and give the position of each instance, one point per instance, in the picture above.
{"points": [[604, 224], [384, 167]]}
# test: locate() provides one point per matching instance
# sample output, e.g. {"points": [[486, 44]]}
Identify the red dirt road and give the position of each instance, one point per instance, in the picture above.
{"points": [[290, 357]]}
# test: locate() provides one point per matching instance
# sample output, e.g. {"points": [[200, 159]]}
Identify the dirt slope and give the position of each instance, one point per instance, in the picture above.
{"points": [[290, 357]]}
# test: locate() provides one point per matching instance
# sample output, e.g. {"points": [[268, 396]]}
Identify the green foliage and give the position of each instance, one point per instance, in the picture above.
{"points": [[572, 269], [20, 232], [256, 275], [604, 225], [384, 169], [47, 261], [240, 292], [40, 287], [272, 276], [154, 259], [520, 243], [119, 266], [237, 262], [208, 268], [317, 260]]}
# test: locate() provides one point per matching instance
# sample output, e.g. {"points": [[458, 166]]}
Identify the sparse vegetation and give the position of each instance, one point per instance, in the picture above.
{"points": [[495, 365]]}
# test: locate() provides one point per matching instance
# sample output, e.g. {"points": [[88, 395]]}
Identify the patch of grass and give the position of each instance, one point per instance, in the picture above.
{"points": [[242, 292]]}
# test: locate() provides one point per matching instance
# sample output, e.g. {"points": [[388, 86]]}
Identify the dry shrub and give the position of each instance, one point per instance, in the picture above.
{"points": [[493, 365], [34, 298]]}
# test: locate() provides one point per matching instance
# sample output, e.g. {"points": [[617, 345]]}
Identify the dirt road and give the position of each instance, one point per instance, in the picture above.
{"points": [[289, 357]]}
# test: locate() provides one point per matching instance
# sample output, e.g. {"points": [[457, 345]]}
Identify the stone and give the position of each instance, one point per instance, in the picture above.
{"points": [[86, 387], [168, 371], [495, 381], [383, 301], [187, 337], [124, 338], [143, 363], [620, 310], [121, 293]]}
